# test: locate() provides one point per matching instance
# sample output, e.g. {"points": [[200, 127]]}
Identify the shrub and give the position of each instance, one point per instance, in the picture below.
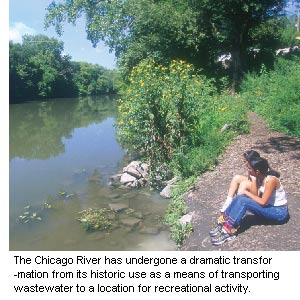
{"points": [[170, 114]]}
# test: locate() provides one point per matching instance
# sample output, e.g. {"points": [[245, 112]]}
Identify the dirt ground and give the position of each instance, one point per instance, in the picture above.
{"points": [[283, 154]]}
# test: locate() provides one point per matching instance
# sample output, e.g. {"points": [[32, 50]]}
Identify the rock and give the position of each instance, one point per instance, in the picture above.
{"points": [[149, 230], [173, 181], [130, 221], [134, 175], [186, 219], [142, 181], [166, 192], [125, 178], [129, 211], [118, 206], [143, 173], [133, 172], [114, 184], [225, 127], [113, 196], [134, 164], [115, 177], [135, 184], [145, 167], [138, 214]]}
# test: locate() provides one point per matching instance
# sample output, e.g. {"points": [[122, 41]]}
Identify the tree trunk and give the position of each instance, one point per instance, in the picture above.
{"points": [[236, 68], [237, 58]]}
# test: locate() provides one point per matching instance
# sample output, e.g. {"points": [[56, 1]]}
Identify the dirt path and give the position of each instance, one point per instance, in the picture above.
{"points": [[283, 154]]}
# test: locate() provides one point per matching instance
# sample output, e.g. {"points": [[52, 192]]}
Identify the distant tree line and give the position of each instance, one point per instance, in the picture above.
{"points": [[38, 69]]}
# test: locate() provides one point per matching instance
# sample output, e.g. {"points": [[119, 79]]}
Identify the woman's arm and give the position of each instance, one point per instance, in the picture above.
{"points": [[269, 189]]}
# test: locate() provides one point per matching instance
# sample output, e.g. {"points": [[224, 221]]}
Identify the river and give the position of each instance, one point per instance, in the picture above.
{"points": [[56, 149]]}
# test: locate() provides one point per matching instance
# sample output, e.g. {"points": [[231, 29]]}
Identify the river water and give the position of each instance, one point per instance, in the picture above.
{"points": [[57, 149]]}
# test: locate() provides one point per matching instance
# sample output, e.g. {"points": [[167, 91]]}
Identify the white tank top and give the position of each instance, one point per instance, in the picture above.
{"points": [[278, 196]]}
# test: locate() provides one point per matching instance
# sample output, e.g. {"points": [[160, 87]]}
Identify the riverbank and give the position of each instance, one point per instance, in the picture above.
{"points": [[204, 201]]}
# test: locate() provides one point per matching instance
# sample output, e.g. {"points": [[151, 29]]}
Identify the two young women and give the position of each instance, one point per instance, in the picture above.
{"points": [[261, 193]]}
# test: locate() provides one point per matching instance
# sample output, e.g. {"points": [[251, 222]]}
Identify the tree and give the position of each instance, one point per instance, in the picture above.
{"points": [[232, 26], [195, 30], [288, 32], [38, 69], [94, 79], [134, 29]]}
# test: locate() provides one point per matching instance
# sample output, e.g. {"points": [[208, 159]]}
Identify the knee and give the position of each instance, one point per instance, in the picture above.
{"points": [[244, 186], [238, 179]]}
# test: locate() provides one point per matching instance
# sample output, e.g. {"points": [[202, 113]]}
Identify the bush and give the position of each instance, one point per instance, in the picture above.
{"points": [[173, 115]]}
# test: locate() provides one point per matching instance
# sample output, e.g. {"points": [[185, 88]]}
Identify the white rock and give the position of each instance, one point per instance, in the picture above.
{"points": [[225, 127], [134, 164], [125, 178], [186, 219], [145, 167], [166, 192], [133, 172]]}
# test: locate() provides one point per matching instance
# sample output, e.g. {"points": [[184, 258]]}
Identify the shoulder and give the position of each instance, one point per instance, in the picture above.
{"points": [[272, 181]]}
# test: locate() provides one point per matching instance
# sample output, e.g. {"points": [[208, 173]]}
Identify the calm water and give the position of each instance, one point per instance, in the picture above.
{"points": [[55, 149]]}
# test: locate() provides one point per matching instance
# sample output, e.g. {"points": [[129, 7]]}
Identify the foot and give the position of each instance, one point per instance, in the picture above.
{"points": [[223, 237], [216, 230]]}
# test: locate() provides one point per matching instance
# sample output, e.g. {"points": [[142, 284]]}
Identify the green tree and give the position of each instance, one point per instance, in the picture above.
{"points": [[38, 69], [195, 31], [134, 29], [288, 32], [237, 26], [93, 79]]}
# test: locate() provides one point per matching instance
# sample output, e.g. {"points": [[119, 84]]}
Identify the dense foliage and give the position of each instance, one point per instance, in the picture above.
{"points": [[275, 94], [39, 69], [174, 116], [195, 31]]}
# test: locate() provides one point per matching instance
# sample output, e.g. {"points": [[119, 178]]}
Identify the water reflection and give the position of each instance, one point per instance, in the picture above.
{"points": [[37, 128], [59, 146]]}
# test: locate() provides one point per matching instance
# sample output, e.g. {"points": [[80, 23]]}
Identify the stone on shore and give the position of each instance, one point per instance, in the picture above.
{"points": [[118, 206], [130, 221], [134, 175], [166, 192], [186, 218], [126, 178]]}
